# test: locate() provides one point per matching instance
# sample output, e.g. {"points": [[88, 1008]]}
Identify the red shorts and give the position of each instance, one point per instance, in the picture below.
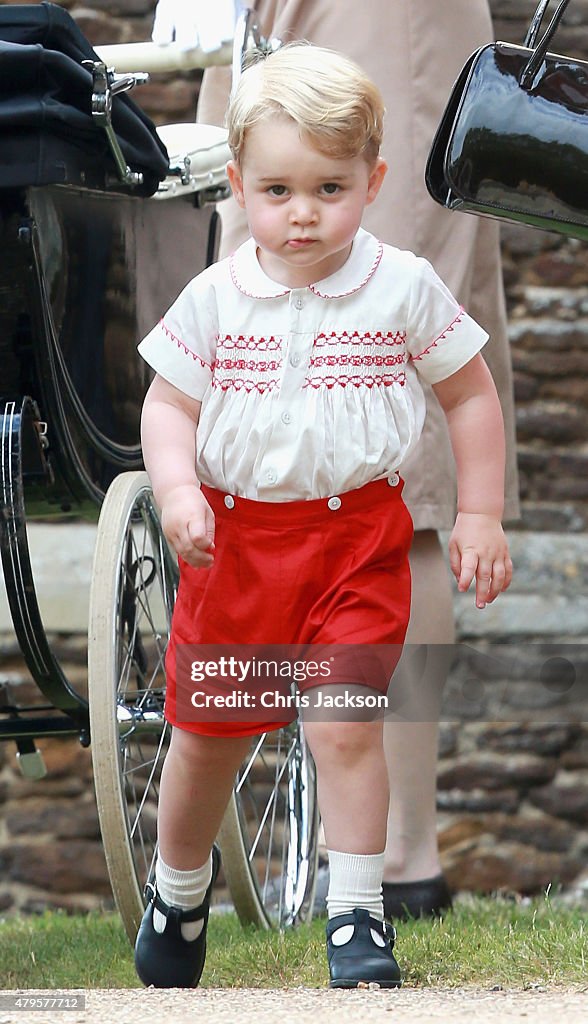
{"points": [[331, 571]]}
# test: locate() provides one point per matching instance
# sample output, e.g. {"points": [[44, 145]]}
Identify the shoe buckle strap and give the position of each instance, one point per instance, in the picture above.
{"points": [[183, 916], [196, 914], [149, 892]]}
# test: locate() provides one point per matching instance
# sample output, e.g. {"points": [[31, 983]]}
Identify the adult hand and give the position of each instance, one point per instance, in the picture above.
{"points": [[195, 23]]}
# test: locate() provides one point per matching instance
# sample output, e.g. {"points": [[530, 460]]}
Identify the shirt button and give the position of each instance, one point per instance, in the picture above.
{"points": [[271, 476], [286, 417], [299, 303], [295, 359], [334, 504], [394, 480], [229, 501]]}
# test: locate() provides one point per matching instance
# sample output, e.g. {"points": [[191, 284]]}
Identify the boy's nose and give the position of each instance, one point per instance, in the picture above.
{"points": [[303, 212]]}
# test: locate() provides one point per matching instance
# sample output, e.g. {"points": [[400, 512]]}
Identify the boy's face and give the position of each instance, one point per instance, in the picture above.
{"points": [[303, 208]]}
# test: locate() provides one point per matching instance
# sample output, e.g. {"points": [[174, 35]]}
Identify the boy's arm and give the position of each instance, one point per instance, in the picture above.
{"points": [[477, 547], [168, 437]]}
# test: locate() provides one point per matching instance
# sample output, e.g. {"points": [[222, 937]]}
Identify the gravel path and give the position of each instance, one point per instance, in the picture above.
{"points": [[302, 1006]]}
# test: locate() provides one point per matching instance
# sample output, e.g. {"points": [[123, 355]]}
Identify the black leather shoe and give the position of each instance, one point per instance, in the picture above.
{"points": [[362, 959], [429, 897], [165, 959]]}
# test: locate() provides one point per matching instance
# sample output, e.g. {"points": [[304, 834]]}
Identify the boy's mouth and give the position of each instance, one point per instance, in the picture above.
{"points": [[300, 243]]}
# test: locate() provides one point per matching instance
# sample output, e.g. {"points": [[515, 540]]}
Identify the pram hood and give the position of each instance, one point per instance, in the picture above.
{"points": [[47, 134]]}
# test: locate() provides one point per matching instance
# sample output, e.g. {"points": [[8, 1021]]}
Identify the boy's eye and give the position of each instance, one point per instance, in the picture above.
{"points": [[277, 190], [331, 188]]}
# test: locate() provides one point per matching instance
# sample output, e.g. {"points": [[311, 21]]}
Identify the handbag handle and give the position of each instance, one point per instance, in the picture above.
{"points": [[535, 24], [538, 56]]}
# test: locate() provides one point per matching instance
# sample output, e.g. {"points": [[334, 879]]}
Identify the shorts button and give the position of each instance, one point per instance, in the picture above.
{"points": [[334, 504], [394, 480], [229, 501]]}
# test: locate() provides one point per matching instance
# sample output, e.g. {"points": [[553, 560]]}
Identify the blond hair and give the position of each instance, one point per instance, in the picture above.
{"points": [[331, 99]]}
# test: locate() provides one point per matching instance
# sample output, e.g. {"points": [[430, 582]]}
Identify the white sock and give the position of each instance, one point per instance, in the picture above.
{"points": [[355, 880], [184, 890]]}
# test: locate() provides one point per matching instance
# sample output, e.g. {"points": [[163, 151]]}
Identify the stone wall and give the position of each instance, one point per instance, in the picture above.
{"points": [[513, 768]]}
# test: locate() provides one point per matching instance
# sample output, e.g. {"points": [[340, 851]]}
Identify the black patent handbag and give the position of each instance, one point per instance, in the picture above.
{"points": [[513, 141]]}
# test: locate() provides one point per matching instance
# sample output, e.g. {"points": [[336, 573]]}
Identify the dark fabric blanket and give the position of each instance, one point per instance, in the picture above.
{"points": [[47, 134]]}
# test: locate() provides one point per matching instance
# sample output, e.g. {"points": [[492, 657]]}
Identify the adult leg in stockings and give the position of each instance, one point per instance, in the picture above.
{"points": [[413, 880]]}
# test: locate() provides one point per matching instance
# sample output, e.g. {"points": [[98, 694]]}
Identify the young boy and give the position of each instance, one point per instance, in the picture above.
{"points": [[285, 400]]}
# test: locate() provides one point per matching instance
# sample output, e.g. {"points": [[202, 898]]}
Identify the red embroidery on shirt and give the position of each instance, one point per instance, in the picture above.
{"points": [[447, 331], [182, 345], [239, 384], [265, 366], [364, 338], [357, 360], [386, 380], [233, 372], [231, 341]]}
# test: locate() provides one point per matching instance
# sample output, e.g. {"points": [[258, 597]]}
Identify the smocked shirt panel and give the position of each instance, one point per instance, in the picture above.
{"points": [[310, 392]]}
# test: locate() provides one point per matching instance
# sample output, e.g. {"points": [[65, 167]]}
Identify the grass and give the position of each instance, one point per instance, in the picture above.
{"points": [[484, 942]]}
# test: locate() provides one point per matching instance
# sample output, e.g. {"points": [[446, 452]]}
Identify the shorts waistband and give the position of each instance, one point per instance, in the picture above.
{"points": [[280, 514]]}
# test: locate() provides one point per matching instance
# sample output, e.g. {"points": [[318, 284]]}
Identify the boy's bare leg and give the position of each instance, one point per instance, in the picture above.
{"points": [[196, 783], [352, 783]]}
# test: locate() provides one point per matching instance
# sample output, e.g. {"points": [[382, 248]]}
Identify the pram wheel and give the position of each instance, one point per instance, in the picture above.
{"points": [[131, 603], [269, 836]]}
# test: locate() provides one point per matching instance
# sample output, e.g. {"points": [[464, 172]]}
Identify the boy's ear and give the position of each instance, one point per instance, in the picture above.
{"points": [[236, 182], [377, 175]]}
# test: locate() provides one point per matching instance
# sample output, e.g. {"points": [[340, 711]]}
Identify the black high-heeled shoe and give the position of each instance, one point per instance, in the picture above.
{"points": [[428, 897], [362, 959], [166, 959]]}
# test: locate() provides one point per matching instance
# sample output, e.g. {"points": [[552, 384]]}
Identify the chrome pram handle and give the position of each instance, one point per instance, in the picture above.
{"points": [[105, 85]]}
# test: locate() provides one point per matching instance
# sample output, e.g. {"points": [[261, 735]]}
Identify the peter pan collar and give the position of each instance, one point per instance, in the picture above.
{"points": [[361, 265]]}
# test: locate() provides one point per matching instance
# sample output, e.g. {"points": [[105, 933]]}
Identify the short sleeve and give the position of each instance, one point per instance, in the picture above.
{"points": [[441, 336], [181, 348]]}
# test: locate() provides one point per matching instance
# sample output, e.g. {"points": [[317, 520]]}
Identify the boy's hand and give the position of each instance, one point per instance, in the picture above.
{"points": [[478, 548], [188, 523]]}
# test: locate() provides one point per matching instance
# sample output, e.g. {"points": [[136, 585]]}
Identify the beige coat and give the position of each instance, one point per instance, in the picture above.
{"points": [[413, 49]]}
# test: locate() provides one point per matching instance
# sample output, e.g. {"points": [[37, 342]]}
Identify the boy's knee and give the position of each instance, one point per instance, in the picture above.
{"points": [[196, 748], [344, 741]]}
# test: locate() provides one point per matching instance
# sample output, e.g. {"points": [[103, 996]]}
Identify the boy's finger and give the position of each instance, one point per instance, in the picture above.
{"points": [[198, 559], [454, 559], [508, 576], [199, 536], [498, 579], [483, 582], [469, 564]]}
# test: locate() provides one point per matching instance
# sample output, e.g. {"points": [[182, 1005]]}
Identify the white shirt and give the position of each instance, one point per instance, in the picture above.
{"points": [[310, 392]]}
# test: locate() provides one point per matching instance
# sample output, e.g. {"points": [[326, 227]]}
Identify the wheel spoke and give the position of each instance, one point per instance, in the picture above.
{"points": [[155, 769], [270, 803]]}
